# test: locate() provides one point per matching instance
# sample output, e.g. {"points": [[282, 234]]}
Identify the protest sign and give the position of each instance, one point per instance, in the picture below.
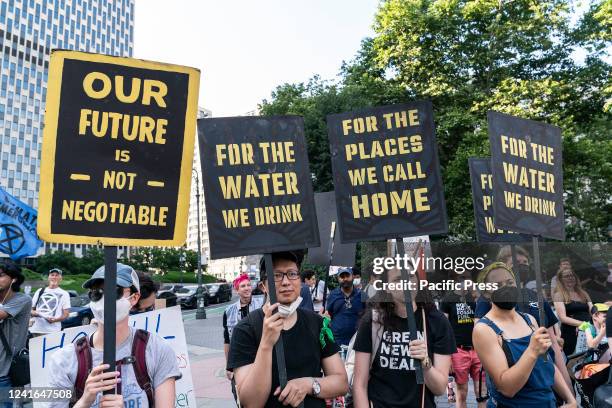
{"points": [[343, 254], [386, 172], [482, 194], [257, 185], [18, 237], [526, 161], [166, 323], [117, 150]]}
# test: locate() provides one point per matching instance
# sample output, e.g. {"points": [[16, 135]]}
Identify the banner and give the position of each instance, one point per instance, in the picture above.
{"points": [[117, 151], [386, 172], [344, 254], [482, 193], [526, 158], [17, 228], [257, 185], [166, 323]]}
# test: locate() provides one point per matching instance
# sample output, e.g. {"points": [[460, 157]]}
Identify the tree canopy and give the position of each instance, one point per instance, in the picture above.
{"points": [[530, 59]]}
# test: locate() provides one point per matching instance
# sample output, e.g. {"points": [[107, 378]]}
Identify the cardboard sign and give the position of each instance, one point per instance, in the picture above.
{"points": [[166, 323], [257, 185], [386, 172], [117, 151], [526, 158], [344, 254], [482, 193]]}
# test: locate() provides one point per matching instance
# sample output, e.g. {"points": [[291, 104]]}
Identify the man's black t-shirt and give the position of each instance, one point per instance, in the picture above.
{"points": [[609, 324], [392, 381], [303, 351], [461, 317]]}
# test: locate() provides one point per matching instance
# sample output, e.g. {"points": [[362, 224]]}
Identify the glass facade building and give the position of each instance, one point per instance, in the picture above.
{"points": [[29, 30]]}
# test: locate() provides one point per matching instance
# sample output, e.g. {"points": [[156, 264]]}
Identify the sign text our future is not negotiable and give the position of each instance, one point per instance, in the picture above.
{"points": [[117, 151]]}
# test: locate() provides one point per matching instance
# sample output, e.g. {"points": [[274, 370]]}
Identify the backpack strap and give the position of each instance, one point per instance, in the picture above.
{"points": [[84, 365], [42, 291], [139, 347]]}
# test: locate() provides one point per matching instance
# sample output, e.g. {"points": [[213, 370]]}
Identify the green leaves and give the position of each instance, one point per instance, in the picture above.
{"points": [[469, 57]]}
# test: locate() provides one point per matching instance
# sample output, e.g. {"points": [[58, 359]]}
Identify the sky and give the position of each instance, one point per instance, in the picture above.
{"points": [[245, 49]]}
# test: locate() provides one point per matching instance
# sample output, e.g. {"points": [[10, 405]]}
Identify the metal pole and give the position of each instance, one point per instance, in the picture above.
{"points": [[110, 308], [538, 274], [412, 326], [201, 311], [330, 252], [279, 348]]}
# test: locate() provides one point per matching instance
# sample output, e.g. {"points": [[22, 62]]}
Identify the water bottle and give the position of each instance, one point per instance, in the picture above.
{"points": [[450, 389]]}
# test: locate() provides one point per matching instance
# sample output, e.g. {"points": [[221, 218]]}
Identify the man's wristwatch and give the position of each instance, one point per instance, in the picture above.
{"points": [[316, 388], [426, 362]]}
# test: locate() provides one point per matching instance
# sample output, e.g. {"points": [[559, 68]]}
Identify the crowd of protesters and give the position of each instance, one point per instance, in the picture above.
{"points": [[495, 338]]}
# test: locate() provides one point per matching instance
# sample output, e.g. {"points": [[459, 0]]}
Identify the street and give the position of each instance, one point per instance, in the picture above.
{"points": [[205, 345]]}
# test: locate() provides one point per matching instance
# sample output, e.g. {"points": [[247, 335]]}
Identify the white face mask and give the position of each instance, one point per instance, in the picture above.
{"points": [[123, 309], [357, 281], [287, 311]]}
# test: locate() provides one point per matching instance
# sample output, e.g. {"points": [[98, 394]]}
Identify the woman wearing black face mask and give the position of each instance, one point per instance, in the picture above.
{"points": [[510, 347]]}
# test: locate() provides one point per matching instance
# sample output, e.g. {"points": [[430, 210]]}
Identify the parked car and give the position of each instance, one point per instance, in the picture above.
{"points": [[170, 287], [219, 292], [80, 314], [186, 296]]}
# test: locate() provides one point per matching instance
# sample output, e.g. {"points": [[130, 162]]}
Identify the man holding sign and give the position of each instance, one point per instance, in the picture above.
{"points": [[314, 368], [146, 368]]}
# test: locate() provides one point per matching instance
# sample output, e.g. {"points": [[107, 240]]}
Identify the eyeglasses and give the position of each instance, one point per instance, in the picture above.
{"points": [[291, 275], [96, 294]]}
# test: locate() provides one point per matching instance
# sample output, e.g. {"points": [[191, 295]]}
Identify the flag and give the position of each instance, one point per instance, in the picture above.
{"points": [[18, 237]]}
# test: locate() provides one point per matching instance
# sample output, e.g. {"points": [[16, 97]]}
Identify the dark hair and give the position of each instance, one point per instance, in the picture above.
{"points": [[14, 271], [383, 303], [293, 256], [356, 270], [147, 285], [307, 274]]}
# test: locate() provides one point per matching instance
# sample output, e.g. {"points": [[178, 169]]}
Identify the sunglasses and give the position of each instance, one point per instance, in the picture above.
{"points": [[96, 294]]}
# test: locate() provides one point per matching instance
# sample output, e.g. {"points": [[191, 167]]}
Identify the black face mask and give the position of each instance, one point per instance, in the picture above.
{"points": [[505, 298]]}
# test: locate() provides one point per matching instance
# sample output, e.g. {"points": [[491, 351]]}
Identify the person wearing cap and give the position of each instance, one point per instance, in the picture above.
{"points": [[14, 317], [596, 332], [345, 307], [315, 371], [238, 311], [510, 346], [160, 359], [50, 305]]}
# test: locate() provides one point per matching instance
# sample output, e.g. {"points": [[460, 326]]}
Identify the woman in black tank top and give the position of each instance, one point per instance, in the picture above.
{"points": [[573, 306]]}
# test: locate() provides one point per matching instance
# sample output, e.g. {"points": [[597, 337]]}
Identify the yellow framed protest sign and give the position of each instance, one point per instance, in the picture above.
{"points": [[117, 150]]}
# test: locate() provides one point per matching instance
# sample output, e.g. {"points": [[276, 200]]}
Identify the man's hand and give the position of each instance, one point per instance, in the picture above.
{"points": [[99, 381], [50, 319], [295, 391], [272, 325], [111, 401]]}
